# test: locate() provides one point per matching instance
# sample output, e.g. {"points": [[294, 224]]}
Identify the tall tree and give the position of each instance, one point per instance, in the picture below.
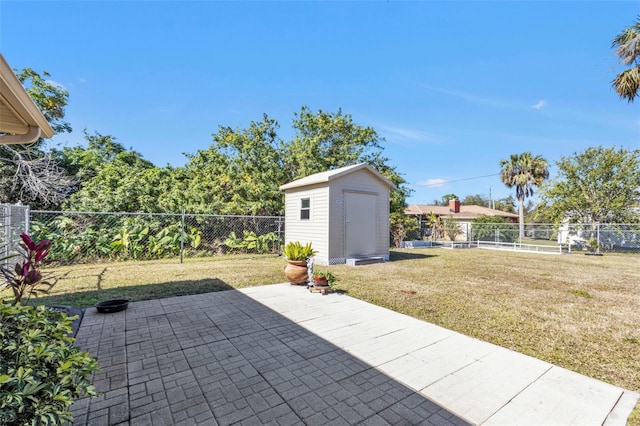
{"points": [[240, 172], [507, 204], [475, 200], [50, 98], [110, 177], [444, 201], [28, 173], [325, 141], [523, 171], [627, 45], [595, 186]]}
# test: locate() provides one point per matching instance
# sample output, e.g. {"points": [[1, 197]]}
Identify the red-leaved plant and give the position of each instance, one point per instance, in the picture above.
{"points": [[24, 277]]}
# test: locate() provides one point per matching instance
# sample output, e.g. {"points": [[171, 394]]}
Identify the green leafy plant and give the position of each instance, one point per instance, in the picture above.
{"points": [[195, 238], [25, 277], [41, 372], [130, 242], [235, 242], [251, 242], [296, 251], [492, 228], [319, 275]]}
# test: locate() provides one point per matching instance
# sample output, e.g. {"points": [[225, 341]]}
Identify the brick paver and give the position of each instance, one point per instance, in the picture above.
{"points": [[222, 359]]}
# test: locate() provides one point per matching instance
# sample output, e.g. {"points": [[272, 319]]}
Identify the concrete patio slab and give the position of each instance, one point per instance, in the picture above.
{"points": [[223, 358], [280, 355], [480, 382]]}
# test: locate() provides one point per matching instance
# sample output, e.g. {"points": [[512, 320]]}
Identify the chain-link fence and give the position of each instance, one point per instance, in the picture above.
{"points": [[14, 220], [89, 236]]}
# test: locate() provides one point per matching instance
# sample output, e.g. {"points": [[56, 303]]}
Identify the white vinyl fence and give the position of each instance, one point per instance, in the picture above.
{"points": [[541, 237]]}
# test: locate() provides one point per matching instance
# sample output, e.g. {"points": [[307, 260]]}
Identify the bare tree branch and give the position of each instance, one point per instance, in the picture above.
{"points": [[37, 176]]}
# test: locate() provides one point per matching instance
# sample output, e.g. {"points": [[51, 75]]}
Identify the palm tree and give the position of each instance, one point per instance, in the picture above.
{"points": [[524, 171], [627, 45]]}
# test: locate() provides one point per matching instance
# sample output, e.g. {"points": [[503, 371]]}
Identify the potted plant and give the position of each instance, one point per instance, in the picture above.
{"points": [[324, 279], [297, 255]]}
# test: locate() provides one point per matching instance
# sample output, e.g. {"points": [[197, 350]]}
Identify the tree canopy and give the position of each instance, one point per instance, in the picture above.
{"points": [[597, 185], [28, 173], [238, 173], [627, 45]]}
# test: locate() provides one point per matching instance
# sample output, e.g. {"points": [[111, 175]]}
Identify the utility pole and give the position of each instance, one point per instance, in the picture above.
{"points": [[490, 199]]}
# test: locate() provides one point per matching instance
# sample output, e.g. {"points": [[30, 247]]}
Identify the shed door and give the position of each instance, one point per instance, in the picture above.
{"points": [[360, 217]]}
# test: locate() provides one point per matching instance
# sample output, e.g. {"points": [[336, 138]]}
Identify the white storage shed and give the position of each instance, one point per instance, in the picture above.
{"points": [[344, 213]]}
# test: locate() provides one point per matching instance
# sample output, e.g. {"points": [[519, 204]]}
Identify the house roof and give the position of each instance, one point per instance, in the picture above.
{"points": [[330, 175], [466, 212], [19, 116]]}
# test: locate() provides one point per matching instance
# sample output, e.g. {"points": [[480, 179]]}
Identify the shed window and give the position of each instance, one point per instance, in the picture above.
{"points": [[305, 208]]}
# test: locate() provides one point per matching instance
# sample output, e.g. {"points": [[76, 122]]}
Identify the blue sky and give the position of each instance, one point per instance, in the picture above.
{"points": [[454, 87]]}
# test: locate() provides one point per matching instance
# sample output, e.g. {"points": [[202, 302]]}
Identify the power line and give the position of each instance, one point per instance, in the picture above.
{"points": [[459, 180]]}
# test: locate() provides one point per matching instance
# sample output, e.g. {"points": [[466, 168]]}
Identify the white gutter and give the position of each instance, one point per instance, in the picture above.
{"points": [[32, 135], [20, 117]]}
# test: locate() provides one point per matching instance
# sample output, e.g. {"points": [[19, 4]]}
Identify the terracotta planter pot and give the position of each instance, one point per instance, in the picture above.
{"points": [[321, 282], [296, 271]]}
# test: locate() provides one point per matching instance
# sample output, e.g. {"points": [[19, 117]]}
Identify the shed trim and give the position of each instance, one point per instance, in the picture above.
{"points": [[330, 175]]}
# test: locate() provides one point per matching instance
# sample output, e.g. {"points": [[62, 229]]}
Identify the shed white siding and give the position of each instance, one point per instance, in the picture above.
{"points": [[360, 181], [316, 228], [358, 188]]}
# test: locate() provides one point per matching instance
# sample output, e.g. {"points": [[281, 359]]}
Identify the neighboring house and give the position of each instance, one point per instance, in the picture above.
{"points": [[20, 119], [464, 215], [344, 213]]}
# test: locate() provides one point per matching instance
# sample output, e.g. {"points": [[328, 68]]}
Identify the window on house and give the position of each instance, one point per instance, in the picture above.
{"points": [[305, 208]]}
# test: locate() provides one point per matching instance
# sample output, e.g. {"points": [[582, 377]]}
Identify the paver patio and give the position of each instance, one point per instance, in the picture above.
{"points": [[280, 355]]}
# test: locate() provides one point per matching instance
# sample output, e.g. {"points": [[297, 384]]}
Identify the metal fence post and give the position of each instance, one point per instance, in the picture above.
{"points": [[182, 237], [279, 237], [27, 223], [6, 215]]}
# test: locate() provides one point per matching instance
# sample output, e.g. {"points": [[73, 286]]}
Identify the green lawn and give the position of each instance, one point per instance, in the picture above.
{"points": [[579, 312]]}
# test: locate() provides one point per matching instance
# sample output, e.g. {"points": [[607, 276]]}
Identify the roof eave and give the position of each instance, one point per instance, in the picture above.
{"points": [[25, 117]]}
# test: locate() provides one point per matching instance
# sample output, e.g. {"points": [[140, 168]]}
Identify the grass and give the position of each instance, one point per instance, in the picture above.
{"points": [[85, 285], [579, 312]]}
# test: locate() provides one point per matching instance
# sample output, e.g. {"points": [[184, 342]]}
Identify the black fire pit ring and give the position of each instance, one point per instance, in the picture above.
{"points": [[115, 305]]}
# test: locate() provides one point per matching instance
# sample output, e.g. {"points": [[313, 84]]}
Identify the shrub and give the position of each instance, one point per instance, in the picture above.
{"points": [[25, 277], [493, 228], [41, 372], [402, 227]]}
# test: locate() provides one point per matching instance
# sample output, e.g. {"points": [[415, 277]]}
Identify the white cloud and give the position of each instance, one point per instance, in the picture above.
{"points": [[55, 83], [82, 80], [434, 182], [405, 134], [472, 97], [541, 104]]}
